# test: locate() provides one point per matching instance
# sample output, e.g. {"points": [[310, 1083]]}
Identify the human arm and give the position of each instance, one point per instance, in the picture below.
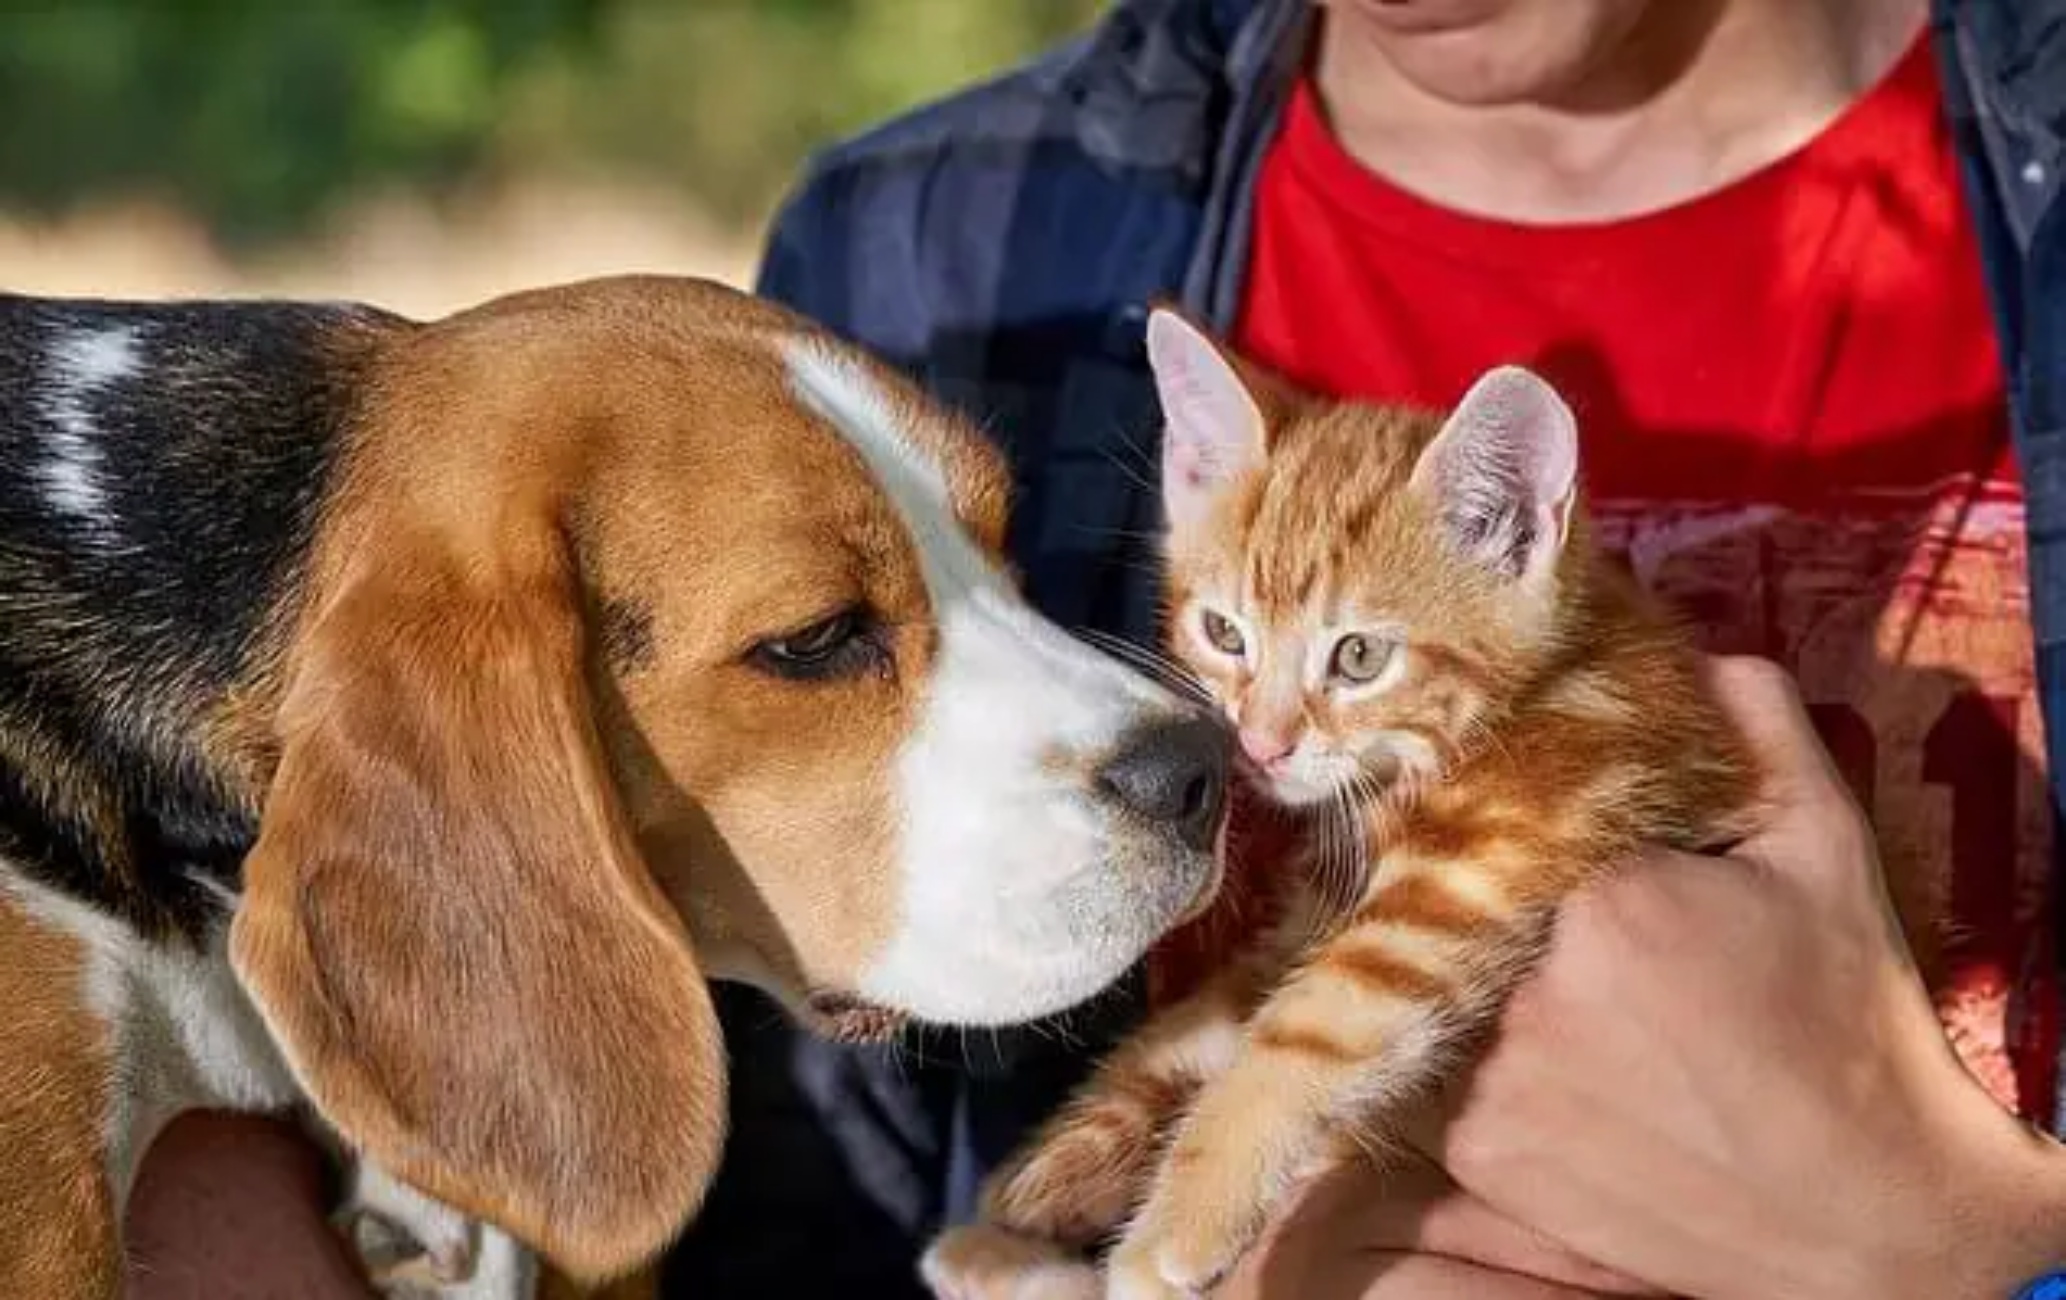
{"points": [[1728, 1079]]}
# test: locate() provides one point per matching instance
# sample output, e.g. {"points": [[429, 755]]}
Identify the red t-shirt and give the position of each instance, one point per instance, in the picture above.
{"points": [[1793, 426]]}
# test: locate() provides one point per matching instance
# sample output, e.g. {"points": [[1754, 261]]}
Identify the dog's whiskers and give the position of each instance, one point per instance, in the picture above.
{"points": [[1135, 474], [1151, 661]]}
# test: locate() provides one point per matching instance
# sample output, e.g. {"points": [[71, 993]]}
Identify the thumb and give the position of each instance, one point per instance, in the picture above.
{"points": [[1807, 826], [1763, 705]]}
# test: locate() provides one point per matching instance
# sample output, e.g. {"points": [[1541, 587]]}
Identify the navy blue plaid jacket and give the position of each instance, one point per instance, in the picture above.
{"points": [[1000, 246]]}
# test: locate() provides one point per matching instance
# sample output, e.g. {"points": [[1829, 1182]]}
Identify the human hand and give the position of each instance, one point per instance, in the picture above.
{"points": [[230, 1207], [1410, 1233], [1728, 1079]]}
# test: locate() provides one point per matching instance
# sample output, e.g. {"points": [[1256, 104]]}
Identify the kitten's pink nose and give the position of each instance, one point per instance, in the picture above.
{"points": [[1265, 748]]}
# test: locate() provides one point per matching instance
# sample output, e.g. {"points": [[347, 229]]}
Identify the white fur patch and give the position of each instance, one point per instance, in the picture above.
{"points": [[1009, 907], [414, 1246], [183, 1036], [979, 1261], [181, 1031], [82, 363]]}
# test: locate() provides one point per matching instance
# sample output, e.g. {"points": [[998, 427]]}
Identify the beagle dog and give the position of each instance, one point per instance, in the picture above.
{"points": [[400, 722]]}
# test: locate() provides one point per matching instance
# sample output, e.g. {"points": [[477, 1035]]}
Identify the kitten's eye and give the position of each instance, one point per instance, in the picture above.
{"points": [[1225, 637], [1358, 659]]}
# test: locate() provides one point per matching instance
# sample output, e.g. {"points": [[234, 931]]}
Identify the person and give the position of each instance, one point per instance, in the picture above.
{"points": [[1794, 263]]}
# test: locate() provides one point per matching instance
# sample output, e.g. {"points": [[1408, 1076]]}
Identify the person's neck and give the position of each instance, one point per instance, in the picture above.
{"points": [[1702, 93]]}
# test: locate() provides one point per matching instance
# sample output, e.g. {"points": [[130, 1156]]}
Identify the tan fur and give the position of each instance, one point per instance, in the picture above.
{"points": [[1567, 729], [642, 1285], [394, 773], [515, 773], [449, 735], [57, 1217]]}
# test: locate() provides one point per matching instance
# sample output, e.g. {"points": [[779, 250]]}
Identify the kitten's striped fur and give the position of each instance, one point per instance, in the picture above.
{"points": [[1533, 723]]}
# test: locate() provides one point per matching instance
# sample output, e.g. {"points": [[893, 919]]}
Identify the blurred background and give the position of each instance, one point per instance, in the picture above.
{"points": [[425, 154]]}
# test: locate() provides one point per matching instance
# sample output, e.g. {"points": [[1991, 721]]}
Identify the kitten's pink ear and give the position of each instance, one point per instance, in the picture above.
{"points": [[1213, 427], [1503, 472]]}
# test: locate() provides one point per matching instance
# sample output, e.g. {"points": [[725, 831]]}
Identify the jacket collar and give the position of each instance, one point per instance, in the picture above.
{"points": [[1150, 85]]}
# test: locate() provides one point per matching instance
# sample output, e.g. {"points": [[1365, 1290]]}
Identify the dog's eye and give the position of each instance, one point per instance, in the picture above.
{"points": [[835, 647]]}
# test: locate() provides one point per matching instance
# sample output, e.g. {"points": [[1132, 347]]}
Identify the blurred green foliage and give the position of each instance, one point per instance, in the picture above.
{"points": [[726, 96], [258, 115]]}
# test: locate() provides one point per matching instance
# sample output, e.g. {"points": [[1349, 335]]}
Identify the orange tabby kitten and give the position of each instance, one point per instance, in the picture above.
{"points": [[1421, 648]]}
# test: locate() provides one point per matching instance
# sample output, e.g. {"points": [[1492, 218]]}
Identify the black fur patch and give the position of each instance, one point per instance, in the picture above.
{"points": [[165, 468], [627, 635]]}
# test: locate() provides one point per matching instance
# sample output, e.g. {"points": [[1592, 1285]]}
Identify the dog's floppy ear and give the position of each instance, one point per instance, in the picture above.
{"points": [[447, 926]]}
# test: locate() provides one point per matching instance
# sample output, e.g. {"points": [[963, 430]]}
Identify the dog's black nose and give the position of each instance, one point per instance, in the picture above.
{"points": [[1174, 773]]}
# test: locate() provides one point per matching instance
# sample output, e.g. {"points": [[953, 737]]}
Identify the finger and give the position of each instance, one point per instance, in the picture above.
{"points": [[1432, 1277], [1763, 704], [1410, 1205], [1463, 1227], [1811, 829], [1396, 1275]]}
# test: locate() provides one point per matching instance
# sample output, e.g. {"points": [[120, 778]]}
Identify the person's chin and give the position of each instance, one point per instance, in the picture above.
{"points": [[1423, 17], [1485, 53], [1448, 67]]}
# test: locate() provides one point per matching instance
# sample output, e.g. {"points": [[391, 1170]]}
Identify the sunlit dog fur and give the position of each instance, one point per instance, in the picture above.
{"points": [[401, 722]]}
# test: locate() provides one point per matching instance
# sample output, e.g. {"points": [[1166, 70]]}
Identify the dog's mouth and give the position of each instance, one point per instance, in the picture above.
{"points": [[844, 1018]]}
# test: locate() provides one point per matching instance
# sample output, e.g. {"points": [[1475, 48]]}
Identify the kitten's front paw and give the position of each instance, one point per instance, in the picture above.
{"points": [[982, 1261], [1170, 1254], [1132, 1273], [1076, 1186]]}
